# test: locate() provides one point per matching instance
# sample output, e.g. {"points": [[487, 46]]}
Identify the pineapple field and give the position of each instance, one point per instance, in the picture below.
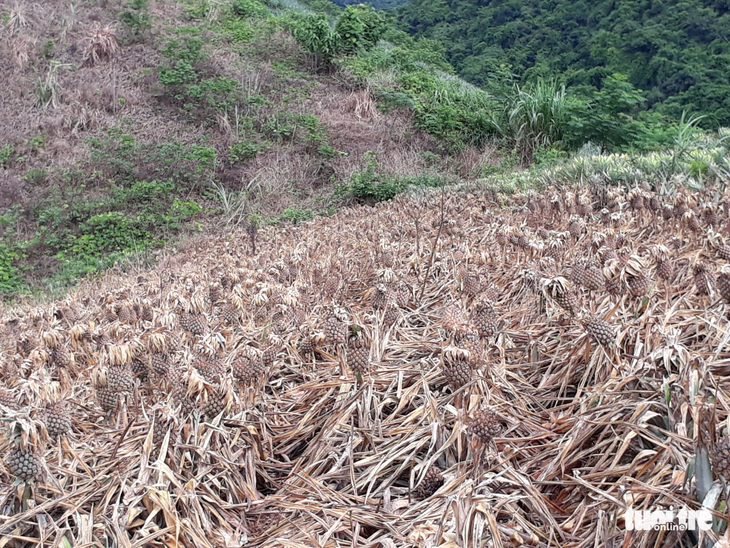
{"points": [[443, 369]]}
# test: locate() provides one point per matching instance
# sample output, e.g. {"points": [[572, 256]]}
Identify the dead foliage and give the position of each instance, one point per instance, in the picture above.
{"points": [[403, 375], [100, 45]]}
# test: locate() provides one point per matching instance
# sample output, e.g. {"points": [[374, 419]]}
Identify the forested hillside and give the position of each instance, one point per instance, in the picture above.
{"points": [[677, 52]]}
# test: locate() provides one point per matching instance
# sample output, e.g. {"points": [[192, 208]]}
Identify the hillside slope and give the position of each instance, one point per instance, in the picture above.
{"points": [[414, 374], [126, 125], [676, 52]]}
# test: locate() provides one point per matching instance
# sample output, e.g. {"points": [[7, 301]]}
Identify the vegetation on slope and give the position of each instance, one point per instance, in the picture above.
{"points": [[125, 129], [672, 55]]}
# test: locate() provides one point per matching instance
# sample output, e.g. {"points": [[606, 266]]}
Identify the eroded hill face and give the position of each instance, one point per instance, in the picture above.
{"points": [[416, 373]]}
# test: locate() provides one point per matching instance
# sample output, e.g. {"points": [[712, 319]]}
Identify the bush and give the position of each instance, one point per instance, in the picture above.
{"points": [[372, 186], [249, 8], [314, 35], [358, 29], [11, 280], [136, 16], [243, 150], [6, 151]]}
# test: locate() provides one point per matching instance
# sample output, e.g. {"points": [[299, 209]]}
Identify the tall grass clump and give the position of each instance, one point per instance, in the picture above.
{"points": [[535, 117]]}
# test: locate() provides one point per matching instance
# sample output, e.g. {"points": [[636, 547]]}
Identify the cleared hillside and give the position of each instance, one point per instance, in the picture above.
{"points": [[442, 370]]}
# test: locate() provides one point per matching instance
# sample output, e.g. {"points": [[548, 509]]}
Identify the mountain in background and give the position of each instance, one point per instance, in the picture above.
{"points": [[676, 52]]}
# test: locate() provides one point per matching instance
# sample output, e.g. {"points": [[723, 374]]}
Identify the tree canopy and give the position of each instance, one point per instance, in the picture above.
{"points": [[675, 53]]}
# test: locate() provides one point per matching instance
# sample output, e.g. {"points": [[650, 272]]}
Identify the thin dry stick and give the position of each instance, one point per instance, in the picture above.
{"points": [[435, 243]]}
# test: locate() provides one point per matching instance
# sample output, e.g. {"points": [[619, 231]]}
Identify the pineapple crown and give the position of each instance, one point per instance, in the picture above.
{"points": [[157, 342], [52, 338], [555, 287], [453, 354], [119, 354], [659, 252], [26, 432]]}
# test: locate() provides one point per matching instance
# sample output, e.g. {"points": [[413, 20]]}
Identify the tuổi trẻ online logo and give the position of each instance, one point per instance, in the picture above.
{"points": [[683, 519]]}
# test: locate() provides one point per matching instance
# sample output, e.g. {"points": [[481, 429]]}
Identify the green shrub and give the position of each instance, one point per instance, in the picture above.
{"points": [[217, 93], [605, 116], [358, 29], [243, 150], [249, 8], [295, 216], [36, 176], [136, 16], [314, 35], [188, 49], [6, 151], [239, 30], [372, 185], [11, 279], [183, 54], [179, 74]]}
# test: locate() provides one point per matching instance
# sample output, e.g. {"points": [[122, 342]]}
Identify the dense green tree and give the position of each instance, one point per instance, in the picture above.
{"points": [[676, 52]]}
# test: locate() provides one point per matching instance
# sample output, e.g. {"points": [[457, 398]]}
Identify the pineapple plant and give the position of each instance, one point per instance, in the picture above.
{"points": [[335, 331], [211, 369], [59, 355], [194, 324], [107, 399], [57, 419], [140, 369], [456, 367], [484, 425], [358, 354], [28, 440], [269, 354], [160, 364], [593, 277], [723, 252], [664, 268], [599, 330], [391, 314], [120, 379], [163, 421], [723, 283], [306, 344], [402, 295], [470, 283], [216, 400], [452, 317], [703, 279], [575, 228], [431, 483], [9, 399], [379, 296], [720, 457], [559, 290], [485, 319], [230, 314], [331, 285], [248, 368]]}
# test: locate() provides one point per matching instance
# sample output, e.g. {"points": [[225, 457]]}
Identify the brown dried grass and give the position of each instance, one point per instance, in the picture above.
{"points": [[314, 456], [100, 45]]}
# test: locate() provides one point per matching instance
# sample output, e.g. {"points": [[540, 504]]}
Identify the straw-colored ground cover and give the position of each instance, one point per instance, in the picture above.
{"points": [[441, 370]]}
